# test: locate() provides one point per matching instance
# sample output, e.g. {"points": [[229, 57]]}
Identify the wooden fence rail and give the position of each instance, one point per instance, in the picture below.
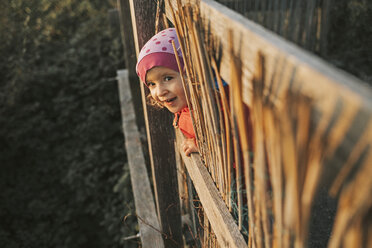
{"points": [[342, 111], [223, 224]]}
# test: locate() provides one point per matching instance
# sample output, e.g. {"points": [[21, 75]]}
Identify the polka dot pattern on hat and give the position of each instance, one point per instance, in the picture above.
{"points": [[161, 42], [158, 46]]}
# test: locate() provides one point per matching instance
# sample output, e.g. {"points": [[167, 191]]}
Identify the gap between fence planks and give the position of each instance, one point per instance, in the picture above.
{"points": [[223, 224], [150, 231]]}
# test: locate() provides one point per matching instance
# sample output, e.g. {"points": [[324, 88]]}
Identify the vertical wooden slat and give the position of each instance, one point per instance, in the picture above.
{"points": [[160, 137], [130, 59], [145, 207], [299, 72]]}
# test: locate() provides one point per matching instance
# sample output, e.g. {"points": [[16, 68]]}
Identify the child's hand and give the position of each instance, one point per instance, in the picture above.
{"points": [[189, 146]]}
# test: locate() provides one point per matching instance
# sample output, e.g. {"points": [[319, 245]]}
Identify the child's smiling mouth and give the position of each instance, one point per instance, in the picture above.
{"points": [[170, 100]]}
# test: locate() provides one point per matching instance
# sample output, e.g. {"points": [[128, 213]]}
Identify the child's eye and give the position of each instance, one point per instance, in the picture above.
{"points": [[150, 84], [167, 78]]}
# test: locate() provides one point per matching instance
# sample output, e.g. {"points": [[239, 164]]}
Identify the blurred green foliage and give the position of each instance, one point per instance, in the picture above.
{"points": [[63, 182]]}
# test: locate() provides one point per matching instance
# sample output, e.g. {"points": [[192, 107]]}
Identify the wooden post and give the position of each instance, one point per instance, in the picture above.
{"points": [[160, 135], [130, 58], [145, 207]]}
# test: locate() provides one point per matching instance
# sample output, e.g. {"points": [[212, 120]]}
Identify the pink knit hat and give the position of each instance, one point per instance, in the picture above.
{"points": [[158, 51]]}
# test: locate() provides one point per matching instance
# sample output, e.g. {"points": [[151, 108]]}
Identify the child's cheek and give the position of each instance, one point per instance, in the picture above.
{"points": [[153, 95], [157, 100]]}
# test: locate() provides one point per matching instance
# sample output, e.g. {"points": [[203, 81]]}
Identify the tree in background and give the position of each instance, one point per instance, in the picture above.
{"points": [[61, 159]]}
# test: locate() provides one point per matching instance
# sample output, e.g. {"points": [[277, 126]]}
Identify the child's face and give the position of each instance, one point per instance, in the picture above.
{"points": [[166, 87]]}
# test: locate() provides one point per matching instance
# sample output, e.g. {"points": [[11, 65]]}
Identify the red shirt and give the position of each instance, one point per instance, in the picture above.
{"points": [[183, 121]]}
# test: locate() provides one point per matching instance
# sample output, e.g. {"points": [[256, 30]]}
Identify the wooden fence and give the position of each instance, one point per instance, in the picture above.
{"points": [[312, 132]]}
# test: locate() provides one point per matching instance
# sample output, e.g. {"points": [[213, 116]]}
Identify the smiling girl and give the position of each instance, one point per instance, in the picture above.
{"points": [[158, 69]]}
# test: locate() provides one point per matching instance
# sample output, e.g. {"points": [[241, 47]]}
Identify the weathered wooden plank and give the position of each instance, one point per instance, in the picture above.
{"points": [[334, 93], [319, 79], [150, 231], [159, 136], [130, 58], [223, 224]]}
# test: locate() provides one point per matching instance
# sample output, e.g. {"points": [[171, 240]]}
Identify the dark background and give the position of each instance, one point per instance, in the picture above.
{"points": [[350, 37], [63, 179], [63, 182]]}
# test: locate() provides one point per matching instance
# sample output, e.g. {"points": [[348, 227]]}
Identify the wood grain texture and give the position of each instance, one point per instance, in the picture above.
{"points": [[222, 222], [130, 58], [334, 92], [319, 79], [150, 231], [159, 136]]}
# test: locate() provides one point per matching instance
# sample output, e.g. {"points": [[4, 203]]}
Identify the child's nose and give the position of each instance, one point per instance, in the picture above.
{"points": [[162, 90]]}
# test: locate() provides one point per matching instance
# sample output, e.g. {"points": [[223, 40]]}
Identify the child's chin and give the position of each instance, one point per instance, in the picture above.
{"points": [[175, 109], [172, 110]]}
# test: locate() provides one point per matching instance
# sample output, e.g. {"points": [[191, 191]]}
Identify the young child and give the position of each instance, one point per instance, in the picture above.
{"points": [[158, 69]]}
